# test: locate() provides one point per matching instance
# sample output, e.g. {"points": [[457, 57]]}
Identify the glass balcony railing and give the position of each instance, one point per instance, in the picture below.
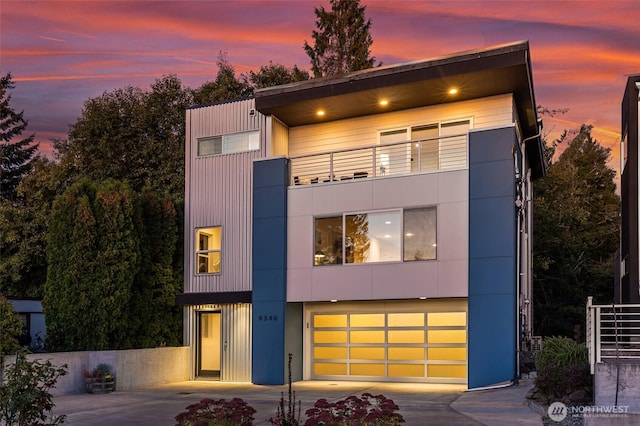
{"points": [[401, 158]]}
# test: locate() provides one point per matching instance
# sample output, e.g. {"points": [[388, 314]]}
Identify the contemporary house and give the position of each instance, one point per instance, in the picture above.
{"points": [[375, 225], [628, 285]]}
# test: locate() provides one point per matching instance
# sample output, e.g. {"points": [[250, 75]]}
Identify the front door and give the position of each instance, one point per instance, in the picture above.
{"points": [[209, 347]]}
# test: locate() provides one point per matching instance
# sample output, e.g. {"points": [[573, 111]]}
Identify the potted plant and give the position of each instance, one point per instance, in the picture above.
{"points": [[100, 380]]}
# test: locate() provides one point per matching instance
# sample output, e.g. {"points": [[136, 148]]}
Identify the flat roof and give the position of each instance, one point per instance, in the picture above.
{"points": [[476, 74]]}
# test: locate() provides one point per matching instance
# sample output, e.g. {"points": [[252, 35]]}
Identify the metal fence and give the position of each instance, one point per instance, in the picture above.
{"points": [[415, 156], [613, 333]]}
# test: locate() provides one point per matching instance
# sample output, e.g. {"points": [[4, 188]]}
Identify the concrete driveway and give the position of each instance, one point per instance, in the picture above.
{"points": [[420, 404]]}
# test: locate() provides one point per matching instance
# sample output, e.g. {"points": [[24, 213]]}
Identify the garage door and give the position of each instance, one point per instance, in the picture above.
{"points": [[389, 346]]}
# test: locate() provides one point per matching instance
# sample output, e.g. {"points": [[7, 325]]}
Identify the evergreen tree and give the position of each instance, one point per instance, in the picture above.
{"points": [[70, 296], [15, 155], [342, 39], [23, 242], [576, 233]]}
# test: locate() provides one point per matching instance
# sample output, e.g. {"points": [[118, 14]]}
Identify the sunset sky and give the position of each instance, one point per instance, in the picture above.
{"points": [[61, 53]]}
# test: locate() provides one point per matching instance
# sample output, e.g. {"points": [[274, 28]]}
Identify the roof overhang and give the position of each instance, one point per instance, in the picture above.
{"points": [[476, 74]]}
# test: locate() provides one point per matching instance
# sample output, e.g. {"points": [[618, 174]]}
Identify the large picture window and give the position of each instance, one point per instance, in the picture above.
{"points": [[229, 144], [208, 247], [369, 237]]}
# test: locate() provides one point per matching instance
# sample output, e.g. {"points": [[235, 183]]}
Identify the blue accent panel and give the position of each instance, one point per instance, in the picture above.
{"points": [[492, 226], [493, 145], [263, 288], [269, 242], [492, 275], [268, 198], [492, 328], [269, 288], [489, 178], [264, 176], [491, 339]]}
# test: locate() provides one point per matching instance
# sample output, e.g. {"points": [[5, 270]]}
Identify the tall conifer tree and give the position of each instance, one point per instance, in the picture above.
{"points": [[15, 154], [342, 39]]}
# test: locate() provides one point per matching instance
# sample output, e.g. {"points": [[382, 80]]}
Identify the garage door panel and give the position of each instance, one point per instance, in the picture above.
{"points": [[396, 346]]}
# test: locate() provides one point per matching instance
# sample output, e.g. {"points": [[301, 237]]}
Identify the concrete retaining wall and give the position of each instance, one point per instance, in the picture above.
{"points": [[133, 369], [606, 380]]}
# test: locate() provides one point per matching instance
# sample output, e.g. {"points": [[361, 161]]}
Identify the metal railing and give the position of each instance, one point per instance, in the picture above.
{"points": [[401, 158], [613, 333]]}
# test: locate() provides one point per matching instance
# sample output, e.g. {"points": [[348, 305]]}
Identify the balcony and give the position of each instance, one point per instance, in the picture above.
{"points": [[394, 159]]}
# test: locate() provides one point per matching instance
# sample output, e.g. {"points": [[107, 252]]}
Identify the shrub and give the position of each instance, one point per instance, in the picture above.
{"points": [[367, 410], [562, 367], [25, 398], [211, 412]]}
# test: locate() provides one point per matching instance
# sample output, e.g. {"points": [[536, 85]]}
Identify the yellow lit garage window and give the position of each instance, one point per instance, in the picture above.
{"points": [[367, 370], [412, 354], [330, 336], [366, 353], [329, 352], [406, 320], [453, 354], [447, 336], [367, 336], [329, 369], [447, 319], [405, 370], [366, 320], [447, 370], [406, 336], [330, 320]]}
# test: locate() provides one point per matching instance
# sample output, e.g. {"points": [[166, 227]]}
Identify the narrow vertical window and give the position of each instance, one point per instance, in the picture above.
{"points": [[420, 234], [208, 247], [328, 241]]}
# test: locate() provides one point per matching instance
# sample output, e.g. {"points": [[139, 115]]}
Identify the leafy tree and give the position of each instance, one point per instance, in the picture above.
{"points": [[576, 229], [226, 86], [15, 155], [342, 39], [133, 135], [274, 75]]}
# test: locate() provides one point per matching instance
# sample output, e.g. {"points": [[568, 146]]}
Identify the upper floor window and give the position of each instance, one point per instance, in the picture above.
{"points": [[208, 247], [437, 146], [229, 144], [369, 237]]}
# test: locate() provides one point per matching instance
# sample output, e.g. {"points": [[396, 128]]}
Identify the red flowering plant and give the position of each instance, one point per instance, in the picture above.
{"points": [[211, 412], [367, 410]]}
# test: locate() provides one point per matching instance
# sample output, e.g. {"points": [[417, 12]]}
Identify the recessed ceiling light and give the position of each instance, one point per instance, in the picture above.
{"points": [[334, 300], [453, 91], [320, 113], [384, 102], [388, 222], [409, 234]]}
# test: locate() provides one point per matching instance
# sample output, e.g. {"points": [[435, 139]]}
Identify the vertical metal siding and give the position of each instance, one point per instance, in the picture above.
{"points": [[236, 332], [219, 192]]}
